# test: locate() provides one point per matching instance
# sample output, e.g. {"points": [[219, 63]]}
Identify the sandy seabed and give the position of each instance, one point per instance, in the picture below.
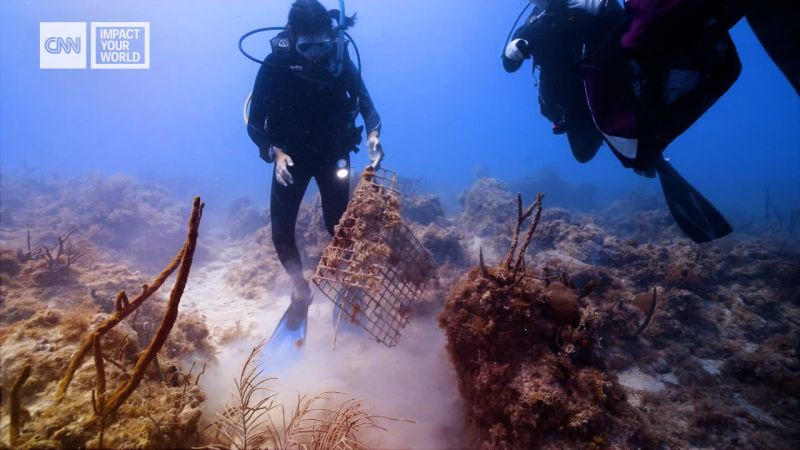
{"points": [[716, 366]]}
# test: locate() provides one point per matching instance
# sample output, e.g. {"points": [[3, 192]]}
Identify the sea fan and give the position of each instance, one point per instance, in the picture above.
{"points": [[243, 424], [252, 421]]}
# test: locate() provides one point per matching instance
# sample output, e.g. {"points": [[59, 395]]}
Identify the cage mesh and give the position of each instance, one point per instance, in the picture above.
{"points": [[374, 268]]}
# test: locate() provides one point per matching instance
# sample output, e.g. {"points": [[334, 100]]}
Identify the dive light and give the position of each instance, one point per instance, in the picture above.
{"points": [[342, 171]]}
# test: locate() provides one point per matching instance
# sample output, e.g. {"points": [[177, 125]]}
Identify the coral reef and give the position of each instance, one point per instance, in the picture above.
{"points": [[257, 271], [136, 221], [560, 192], [444, 243], [487, 212], [527, 356], [716, 366], [615, 331], [50, 335], [783, 221], [244, 219], [423, 209]]}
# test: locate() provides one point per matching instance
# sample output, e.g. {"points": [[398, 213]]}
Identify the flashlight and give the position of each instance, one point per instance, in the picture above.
{"points": [[341, 168]]}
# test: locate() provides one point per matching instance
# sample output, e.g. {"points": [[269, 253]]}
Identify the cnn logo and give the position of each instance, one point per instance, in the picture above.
{"points": [[55, 45], [62, 45]]}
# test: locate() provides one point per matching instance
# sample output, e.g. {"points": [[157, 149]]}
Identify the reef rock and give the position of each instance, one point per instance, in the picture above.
{"points": [[423, 209], [137, 221], [527, 357], [244, 219]]}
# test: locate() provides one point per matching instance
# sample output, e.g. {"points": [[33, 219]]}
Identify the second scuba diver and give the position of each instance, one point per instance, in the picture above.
{"points": [[302, 118], [638, 77]]}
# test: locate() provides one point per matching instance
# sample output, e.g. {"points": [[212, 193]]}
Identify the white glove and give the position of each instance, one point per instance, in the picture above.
{"points": [[375, 149], [513, 52], [591, 6], [282, 164]]}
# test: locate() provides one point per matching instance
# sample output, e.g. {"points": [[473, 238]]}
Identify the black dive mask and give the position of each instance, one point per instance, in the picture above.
{"points": [[314, 49]]}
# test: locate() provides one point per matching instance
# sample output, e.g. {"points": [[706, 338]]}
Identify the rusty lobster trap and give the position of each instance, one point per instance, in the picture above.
{"points": [[374, 268]]}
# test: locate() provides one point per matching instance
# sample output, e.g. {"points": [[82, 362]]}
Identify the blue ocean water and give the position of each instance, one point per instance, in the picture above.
{"points": [[721, 346], [435, 74]]}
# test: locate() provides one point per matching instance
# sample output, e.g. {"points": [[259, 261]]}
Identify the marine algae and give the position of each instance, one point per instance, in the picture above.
{"points": [[65, 424], [524, 349]]}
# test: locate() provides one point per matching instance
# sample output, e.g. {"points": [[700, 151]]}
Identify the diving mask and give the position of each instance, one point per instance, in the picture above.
{"points": [[314, 48]]}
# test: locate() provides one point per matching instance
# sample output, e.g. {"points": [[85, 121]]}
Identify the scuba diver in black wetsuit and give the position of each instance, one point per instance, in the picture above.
{"points": [[302, 118], [557, 33], [638, 77]]}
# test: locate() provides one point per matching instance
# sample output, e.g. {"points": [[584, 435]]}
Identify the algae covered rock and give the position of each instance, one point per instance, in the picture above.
{"points": [[525, 350]]}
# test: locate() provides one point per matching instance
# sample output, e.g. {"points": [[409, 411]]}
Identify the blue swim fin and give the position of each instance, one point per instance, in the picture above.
{"points": [[289, 338]]}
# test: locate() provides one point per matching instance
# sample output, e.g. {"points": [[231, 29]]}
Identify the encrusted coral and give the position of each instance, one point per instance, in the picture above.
{"points": [[104, 404], [525, 351]]}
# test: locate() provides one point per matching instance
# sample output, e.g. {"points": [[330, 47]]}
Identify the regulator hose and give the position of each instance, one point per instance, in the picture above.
{"points": [[263, 30]]}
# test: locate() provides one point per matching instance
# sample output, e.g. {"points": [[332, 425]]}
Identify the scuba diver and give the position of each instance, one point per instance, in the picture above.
{"points": [[558, 41], [306, 98], [637, 78]]}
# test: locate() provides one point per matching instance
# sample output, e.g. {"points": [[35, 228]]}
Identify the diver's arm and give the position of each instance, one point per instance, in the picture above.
{"points": [[372, 120], [260, 101], [516, 52]]}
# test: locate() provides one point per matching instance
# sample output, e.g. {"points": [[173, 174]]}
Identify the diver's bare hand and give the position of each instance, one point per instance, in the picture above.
{"points": [[282, 164], [375, 149]]}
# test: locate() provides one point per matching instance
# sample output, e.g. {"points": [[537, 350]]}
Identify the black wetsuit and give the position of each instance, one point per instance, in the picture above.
{"points": [[309, 114], [665, 90], [556, 43], [775, 23]]}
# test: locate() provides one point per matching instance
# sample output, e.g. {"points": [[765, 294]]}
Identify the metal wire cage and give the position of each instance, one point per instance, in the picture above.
{"points": [[374, 268]]}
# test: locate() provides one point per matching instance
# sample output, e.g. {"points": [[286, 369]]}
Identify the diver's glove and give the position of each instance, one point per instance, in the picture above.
{"points": [[517, 50], [375, 149], [282, 164]]}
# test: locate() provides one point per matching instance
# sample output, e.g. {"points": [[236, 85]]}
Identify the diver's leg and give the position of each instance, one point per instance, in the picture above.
{"points": [[775, 24], [335, 193], [680, 88], [284, 206]]}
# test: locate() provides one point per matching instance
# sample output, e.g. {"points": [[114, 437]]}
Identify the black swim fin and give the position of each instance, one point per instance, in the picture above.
{"points": [[695, 215]]}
